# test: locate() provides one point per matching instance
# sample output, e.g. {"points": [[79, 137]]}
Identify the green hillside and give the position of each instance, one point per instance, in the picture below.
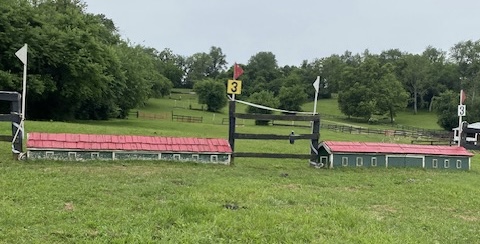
{"points": [[252, 201]]}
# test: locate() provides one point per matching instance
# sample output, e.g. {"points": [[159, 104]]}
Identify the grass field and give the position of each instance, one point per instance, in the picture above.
{"points": [[253, 201]]}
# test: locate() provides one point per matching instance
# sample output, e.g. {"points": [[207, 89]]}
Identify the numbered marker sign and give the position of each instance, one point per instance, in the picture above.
{"points": [[462, 110], [234, 87]]}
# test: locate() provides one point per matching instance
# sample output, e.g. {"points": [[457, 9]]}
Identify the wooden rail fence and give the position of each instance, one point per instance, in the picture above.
{"points": [[172, 116], [404, 133], [144, 115], [15, 118], [186, 118], [314, 136]]}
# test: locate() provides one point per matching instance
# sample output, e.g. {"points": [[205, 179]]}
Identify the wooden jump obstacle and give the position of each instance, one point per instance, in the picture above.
{"points": [[314, 136], [15, 117]]}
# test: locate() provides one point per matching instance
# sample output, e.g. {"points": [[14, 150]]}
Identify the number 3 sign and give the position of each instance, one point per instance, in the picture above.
{"points": [[234, 87]]}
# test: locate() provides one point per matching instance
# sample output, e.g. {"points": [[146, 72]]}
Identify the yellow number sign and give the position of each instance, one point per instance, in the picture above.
{"points": [[234, 87]]}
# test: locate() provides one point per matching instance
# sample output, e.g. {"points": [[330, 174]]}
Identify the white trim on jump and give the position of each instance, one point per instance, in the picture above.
{"points": [[269, 108]]}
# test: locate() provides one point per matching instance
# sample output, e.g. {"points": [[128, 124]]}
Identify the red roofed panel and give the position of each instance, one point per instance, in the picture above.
{"points": [[367, 147], [122, 142]]}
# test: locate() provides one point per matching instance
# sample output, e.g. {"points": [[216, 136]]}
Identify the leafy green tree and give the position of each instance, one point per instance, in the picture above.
{"points": [[442, 75], [371, 88], [292, 98], [265, 98], [466, 55], [415, 77], [262, 68], [197, 68], [446, 107], [212, 93], [218, 63], [332, 69], [391, 97], [357, 101], [79, 68]]}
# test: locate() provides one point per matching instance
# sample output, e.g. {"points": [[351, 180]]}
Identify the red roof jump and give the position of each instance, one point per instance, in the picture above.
{"points": [[377, 147], [126, 143]]}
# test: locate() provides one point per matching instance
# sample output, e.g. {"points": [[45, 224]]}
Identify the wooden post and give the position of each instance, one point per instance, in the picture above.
{"points": [[314, 143], [231, 127]]}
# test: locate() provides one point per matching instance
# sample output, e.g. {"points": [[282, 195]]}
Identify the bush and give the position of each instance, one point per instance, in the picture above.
{"points": [[211, 93], [265, 98]]}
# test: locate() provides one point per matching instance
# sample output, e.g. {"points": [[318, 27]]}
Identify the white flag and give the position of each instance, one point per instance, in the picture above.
{"points": [[22, 54], [316, 84]]}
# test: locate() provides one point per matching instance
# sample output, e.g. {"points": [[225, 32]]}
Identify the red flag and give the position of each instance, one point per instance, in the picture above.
{"points": [[237, 71], [463, 96]]}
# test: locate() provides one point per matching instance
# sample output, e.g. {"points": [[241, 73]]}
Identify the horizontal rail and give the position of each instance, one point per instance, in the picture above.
{"points": [[274, 137], [187, 118], [6, 138], [8, 117], [278, 117], [270, 155]]}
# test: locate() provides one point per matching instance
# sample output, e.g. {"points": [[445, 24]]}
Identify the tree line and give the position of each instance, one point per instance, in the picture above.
{"points": [[370, 85], [80, 68]]}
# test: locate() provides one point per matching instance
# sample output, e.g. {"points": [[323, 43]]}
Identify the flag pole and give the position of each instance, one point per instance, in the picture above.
{"points": [[24, 91], [460, 121], [22, 54], [233, 95], [316, 84]]}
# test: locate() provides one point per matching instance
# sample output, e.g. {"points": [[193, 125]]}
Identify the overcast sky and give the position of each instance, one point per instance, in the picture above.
{"points": [[293, 30]]}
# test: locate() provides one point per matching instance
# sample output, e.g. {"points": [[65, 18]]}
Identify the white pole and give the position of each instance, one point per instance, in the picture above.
{"points": [[460, 121], [24, 92], [316, 96], [233, 76]]}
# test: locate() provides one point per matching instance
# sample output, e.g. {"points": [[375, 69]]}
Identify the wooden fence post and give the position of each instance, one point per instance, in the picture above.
{"points": [[16, 125], [231, 128], [314, 143]]}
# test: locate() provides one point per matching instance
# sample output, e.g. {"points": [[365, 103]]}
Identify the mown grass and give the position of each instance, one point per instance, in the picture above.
{"points": [[252, 201], [260, 201]]}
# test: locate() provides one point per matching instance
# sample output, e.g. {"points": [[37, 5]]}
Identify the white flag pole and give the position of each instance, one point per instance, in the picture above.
{"points": [[22, 55], [24, 91], [233, 95], [460, 120], [316, 84]]}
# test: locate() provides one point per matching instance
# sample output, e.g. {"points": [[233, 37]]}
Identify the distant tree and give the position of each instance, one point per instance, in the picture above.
{"points": [[466, 55], [357, 101], [446, 107], [332, 69], [391, 96], [265, 98], [212, 93], [197, 68], [262, 68], [415, 77], [292, 98], [218, 63], [371, 88]]}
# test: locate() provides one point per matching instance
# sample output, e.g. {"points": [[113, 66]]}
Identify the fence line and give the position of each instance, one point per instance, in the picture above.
{"points": [[144, 115], [404, 133], [186, 118]]}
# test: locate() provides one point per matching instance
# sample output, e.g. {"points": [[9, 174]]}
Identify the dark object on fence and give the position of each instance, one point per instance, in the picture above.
{"points": [[15, 102], [292, 137], [314, 137], [186, 118]]}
